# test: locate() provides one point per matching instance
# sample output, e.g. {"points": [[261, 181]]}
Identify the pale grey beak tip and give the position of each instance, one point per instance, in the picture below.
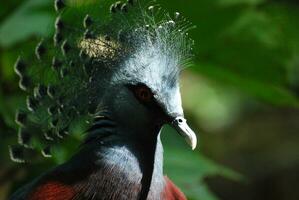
{"points": [[180, 124]]}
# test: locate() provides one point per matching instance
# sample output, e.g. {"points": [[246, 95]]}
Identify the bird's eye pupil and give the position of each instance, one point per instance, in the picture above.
{"points": [[143, 93]]}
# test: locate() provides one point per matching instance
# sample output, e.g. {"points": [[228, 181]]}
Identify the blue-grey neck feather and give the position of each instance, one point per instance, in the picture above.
{"points": [[130, 168]]}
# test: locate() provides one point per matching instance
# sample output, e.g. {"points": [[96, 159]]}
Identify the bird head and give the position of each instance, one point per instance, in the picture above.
{"points": [[144, 92]]}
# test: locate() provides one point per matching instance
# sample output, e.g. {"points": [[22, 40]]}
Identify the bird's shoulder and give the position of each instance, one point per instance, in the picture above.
{"points": [[171, 191]]}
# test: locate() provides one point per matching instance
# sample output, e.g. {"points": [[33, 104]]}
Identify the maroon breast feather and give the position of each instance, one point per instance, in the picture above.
{"points": [[171, 191]]}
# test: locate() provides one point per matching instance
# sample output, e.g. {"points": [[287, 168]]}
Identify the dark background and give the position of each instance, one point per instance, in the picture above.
{"points": [[241, 96]]}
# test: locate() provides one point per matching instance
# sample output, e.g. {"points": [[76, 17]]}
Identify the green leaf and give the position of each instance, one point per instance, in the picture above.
{"points": [[188, 168], [26, 21], [255, 25], [274, 94], [238, 2]]}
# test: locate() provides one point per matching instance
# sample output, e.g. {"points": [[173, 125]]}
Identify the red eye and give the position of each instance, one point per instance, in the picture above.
{"points": [[143, 93]]}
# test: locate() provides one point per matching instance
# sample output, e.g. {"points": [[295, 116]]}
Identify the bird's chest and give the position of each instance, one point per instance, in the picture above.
{"points": [[119, 176], [109, 183], [115, 184]]}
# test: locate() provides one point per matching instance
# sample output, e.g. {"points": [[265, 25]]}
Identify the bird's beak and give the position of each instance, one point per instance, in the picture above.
{"points": [[173, 111], [180, 124]]}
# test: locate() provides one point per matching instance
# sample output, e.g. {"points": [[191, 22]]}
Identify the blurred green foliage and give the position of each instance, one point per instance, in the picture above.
{"points": [[246, 51]]}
